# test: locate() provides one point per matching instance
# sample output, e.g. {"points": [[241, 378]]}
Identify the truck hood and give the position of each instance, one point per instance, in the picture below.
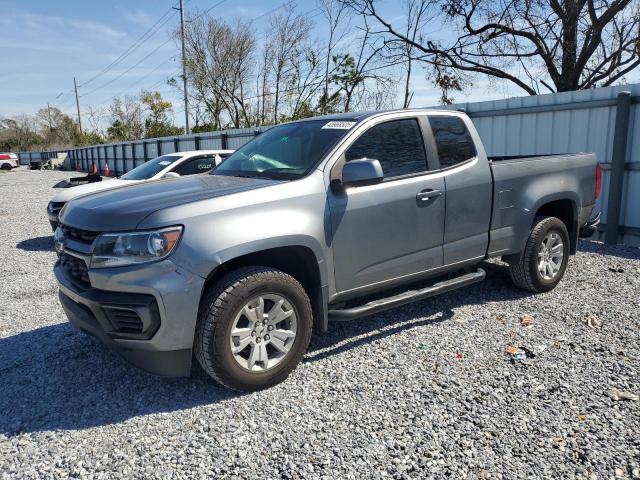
{"points": [[74, 192], [125, 208]]}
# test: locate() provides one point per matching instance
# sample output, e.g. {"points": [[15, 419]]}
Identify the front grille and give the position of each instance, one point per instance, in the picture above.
{"points": [[87, 236], [124, 320], [76, 268]]}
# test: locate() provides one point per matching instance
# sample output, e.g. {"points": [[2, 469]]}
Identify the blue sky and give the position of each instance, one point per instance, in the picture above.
{"points": [[45, 43]]}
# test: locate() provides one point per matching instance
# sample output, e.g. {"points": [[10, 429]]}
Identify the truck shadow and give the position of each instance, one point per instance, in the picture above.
{"points": [[56, 377], [497, 287], [36, 244], [629, 253]]}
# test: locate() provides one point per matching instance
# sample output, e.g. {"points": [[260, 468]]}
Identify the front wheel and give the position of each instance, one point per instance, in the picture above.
{"points": [[254, 326], [541, 266]]}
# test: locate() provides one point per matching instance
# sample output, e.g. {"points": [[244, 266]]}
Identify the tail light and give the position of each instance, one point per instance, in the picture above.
{"points": [[598, 180]]}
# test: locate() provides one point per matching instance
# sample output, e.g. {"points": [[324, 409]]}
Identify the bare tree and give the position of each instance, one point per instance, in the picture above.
{"points": [[289, 31], [305, 83], [354, 72], [337, 14], [57, 128], [219, 60], [126, 118], [415, 21], [561, 45], [96, 118], [20, 133]]}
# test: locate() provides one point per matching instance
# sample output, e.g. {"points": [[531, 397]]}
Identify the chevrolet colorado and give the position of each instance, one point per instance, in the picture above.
{"points": [[322, 219]]}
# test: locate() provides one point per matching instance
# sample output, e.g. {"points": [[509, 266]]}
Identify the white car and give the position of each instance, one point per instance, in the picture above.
{"points": [[167, 166], [9, 161]]}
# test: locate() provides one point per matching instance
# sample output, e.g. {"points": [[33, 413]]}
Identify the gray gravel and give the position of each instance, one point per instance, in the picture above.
{"points": [[418, 392]]}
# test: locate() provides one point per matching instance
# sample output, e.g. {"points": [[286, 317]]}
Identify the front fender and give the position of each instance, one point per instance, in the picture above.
{"points": [[207, 264]]}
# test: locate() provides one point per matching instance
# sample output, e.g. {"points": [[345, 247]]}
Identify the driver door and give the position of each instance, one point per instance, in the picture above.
{"points": [[390, 230]]}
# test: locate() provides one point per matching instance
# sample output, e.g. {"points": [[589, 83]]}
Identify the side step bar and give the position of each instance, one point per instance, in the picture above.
{"points": [[376, 306]]}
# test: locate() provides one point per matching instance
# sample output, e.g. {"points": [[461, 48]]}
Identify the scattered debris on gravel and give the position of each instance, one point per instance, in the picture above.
{"points": [[592, 321], [617, 395], [409, 393]]}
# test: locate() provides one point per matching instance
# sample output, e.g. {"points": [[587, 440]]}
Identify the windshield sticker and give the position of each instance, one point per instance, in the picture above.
{"points": [[164, 162], [339, 125]]}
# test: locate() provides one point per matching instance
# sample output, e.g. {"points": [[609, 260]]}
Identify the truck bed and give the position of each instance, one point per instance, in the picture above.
{"points": [[524, 183], [502, 158]]}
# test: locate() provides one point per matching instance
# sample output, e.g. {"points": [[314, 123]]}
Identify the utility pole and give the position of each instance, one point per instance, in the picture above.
{"points": [[184, 71], [75, 87], [49, 115]]}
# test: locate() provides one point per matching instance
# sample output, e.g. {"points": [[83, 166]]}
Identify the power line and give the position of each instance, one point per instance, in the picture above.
{"points": [[148, 74], [214, 6], [133, 47], [128, 70]]}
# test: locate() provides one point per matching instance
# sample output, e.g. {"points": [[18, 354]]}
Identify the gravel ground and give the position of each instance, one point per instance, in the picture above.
{"points": [[418, 392]]}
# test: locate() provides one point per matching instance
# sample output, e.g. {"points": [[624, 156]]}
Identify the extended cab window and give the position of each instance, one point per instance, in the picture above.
{"points": [[397, 144], [197, 165], [453, 140]]}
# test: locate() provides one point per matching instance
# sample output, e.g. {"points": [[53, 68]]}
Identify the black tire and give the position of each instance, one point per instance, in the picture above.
{"points": [[524, 267], [218, 308], [6, 166]]}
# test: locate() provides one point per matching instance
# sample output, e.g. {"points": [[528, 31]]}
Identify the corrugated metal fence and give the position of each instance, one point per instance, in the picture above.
{"points": [[124, 156], [603, 120]]}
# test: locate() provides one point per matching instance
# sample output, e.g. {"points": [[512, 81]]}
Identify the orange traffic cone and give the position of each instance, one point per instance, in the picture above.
{"points": [[106, 169], [94, 169]]}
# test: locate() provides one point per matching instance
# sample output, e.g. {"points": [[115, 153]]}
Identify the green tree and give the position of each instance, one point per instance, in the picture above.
{"points": [[20, 134], [157, 123]]}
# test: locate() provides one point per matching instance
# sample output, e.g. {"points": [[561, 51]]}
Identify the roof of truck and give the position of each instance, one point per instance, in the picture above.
{"points": [[359, 116]]}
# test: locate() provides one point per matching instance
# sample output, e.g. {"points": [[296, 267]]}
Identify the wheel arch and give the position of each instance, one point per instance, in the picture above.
{"points": [[299, 261], [564, 209]]}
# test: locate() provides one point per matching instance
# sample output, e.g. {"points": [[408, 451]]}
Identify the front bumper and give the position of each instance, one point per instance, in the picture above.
{"points": [[53, 211], [166, 301]]}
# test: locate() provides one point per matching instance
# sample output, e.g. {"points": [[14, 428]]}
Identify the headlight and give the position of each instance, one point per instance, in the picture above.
{"points": [[130, 248]]}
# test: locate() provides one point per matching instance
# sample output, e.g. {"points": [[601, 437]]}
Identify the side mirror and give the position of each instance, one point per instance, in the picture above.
{"points": [[171, 175], [358, 173]]}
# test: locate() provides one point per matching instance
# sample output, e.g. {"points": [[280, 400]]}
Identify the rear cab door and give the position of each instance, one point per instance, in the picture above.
{"points": [[463, 164]]}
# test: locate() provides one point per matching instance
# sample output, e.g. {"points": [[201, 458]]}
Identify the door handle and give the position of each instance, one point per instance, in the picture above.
{"points": [[428, 195]]}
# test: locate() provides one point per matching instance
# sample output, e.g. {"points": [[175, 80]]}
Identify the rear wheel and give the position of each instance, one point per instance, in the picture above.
{"points": [[541, 266], [6, 166], [254, 326]]}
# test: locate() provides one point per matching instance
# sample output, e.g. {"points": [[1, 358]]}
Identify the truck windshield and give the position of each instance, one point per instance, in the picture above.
{"points": [[285, 152], [150, 168]]}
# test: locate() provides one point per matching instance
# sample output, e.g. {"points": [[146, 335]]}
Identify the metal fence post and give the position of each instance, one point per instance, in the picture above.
{"points": [[159, 148], [115, 161], [196, 141], [616, 177], [144, 151], [223, 141], [133, 154], [176, 144]]}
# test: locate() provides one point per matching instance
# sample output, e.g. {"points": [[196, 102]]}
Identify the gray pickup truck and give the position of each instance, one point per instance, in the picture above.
{"points": [[312, 221]]}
